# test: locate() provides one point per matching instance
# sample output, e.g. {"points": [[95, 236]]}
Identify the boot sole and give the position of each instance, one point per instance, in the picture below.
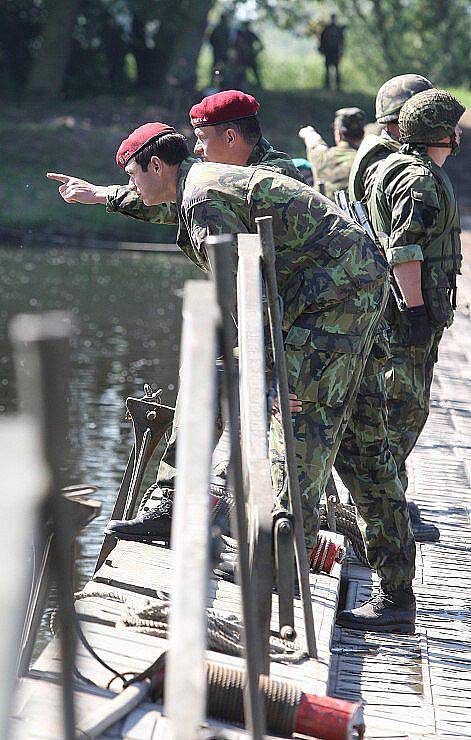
{"points": [[396, 629], [145, 539], [426, 537]]}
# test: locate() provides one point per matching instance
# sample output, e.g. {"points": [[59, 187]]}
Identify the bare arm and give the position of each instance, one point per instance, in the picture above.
{"points": [[408, 279]]}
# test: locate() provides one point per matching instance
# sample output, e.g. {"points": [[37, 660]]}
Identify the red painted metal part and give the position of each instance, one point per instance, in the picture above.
{"points": [[328, 718], [325, 554]]}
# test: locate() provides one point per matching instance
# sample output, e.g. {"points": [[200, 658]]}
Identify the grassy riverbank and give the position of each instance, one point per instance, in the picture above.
{"points": [[81, 137]]}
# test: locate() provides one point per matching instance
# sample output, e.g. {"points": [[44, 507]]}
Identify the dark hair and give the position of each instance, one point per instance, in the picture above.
{"points": [[353, 134], [170, 148], [248, 128]]}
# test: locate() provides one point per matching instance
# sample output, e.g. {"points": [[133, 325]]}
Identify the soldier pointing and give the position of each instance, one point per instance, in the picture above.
{"points": [[332, 165], [330, 276]]}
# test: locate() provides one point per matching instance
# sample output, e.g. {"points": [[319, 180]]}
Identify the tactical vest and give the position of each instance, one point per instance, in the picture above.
{"points": [[442, 257], [372, 149]]}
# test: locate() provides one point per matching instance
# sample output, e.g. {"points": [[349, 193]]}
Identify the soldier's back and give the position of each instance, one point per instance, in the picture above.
{"points": [[332, 166]]}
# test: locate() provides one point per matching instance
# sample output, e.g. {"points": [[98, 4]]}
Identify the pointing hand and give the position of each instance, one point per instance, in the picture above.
{"points": [[75, 190]]}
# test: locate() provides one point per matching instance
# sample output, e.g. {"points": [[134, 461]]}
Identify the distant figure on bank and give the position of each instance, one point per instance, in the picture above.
{"points": [[248, 46], [219, 40], [331, 47], [331, 165]]}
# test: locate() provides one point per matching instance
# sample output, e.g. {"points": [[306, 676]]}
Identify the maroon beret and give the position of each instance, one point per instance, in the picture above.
{"points": [[223, 107], [139, 138]]}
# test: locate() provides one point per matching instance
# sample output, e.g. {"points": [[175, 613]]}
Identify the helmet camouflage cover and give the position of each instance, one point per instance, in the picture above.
{"points": [[350, 121], [395, 92], [429, 116]]}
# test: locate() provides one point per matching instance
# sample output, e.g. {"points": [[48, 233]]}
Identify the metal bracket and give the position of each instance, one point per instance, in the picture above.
{"points": [[150, 420], [283, 535]]}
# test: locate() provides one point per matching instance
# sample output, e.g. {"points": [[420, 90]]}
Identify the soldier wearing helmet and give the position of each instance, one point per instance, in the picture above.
{"points": [[331, 165], [412, 200], [413, 203], [389, 101]]}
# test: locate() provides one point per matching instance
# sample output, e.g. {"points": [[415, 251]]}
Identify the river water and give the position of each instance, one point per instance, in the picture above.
{"points": [[127, 307]]}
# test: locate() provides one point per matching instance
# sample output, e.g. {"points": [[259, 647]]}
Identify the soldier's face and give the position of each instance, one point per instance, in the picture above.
{"points": [[148, 185], [214, 144]]}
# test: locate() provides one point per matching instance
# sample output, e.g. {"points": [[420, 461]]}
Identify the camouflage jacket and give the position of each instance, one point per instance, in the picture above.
{"points": [[331, 165], [122, 200], [371, 152], [322, 258], [413, 203]]}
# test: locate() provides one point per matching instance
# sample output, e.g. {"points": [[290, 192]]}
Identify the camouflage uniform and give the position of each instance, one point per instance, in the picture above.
{"points": [[330, 320], [331, 165], [413, 202], [122, 200], [364, 461], [332, 282]]}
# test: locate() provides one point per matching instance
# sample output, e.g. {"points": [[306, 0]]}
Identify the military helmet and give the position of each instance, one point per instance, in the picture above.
{"points": [[429, 116], [395, 92], [350, 121]]}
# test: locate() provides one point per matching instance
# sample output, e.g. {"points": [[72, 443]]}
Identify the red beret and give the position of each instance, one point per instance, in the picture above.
{"points": [[223, 107], [139, 138]]}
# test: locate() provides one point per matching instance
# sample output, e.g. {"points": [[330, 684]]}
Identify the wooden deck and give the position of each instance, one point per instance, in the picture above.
{"points": [[413, 686], [420, 686], [136, 571]]}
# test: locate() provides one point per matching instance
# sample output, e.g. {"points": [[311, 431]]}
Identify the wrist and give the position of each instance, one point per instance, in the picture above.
{"points": [[100, 194]]}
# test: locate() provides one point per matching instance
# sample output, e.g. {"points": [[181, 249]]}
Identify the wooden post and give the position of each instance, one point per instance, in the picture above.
{"points": [[264, 226], [221, 250], [185, 681], [24, 485], [254, 426], [42, 354]]}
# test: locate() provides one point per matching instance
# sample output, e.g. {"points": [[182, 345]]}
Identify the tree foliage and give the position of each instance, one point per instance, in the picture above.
{"points": [[399, 36], [83, 47]]}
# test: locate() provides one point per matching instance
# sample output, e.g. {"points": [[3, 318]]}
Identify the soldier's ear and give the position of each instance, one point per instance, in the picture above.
{"points": [[155, 164], [230, 136]]}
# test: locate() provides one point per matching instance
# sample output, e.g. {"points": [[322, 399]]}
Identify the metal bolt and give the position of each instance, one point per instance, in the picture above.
{"points": [[151, 415], [287, 633], [284, 527]]}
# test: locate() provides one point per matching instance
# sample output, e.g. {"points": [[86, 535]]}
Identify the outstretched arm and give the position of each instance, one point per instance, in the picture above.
{"points": [[117, 198]]}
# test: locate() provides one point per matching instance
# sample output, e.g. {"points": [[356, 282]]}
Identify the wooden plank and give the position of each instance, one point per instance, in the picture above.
{"points": [[254, 429], [432, 681], [24, 480], [185, 676]]}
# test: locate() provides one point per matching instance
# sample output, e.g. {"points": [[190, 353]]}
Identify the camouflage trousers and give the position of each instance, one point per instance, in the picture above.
{"points": [[408, 386], [367, 467], [341, 402]]}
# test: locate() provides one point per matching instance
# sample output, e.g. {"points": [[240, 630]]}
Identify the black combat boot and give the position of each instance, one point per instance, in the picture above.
{"points": [[148, 526], [392, 611]]}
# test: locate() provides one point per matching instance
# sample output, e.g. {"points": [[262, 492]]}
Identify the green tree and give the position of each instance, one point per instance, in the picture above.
{"points": [[48, 71], [398, 36]]}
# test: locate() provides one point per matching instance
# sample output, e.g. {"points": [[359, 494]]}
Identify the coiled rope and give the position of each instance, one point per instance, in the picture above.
{"points": [[150, 617]]}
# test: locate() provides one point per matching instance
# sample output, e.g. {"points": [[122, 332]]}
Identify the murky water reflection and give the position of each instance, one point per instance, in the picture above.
{"points": [[128, 311]]}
